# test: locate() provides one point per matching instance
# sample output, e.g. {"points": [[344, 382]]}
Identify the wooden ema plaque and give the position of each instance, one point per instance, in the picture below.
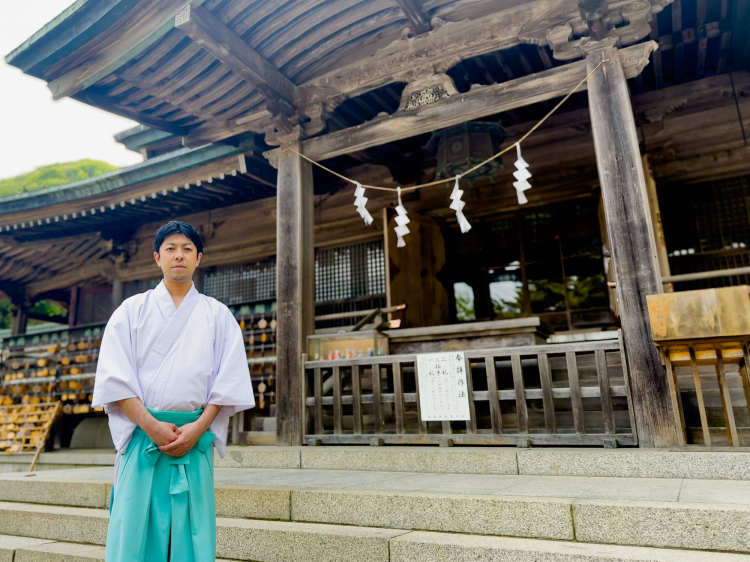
{"points": [[25, 428]]}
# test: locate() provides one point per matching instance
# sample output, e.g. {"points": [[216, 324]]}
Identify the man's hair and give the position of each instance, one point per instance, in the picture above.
{"points": [[177, 227]]}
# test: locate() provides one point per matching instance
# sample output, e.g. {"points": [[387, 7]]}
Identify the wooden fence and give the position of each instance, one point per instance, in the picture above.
{"points": [[710, 389], [567, 394]]}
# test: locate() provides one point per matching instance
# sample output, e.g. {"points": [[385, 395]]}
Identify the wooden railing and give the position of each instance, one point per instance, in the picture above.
{"points": [[568, 394], [710, 389]]}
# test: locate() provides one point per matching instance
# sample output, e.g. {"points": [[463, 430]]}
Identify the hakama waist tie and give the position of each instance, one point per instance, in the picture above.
{"points": [[162, 499]]}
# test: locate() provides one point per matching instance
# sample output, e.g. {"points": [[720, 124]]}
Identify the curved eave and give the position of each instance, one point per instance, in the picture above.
{"points": [[142, 137], [75, 26], [152, 169]]}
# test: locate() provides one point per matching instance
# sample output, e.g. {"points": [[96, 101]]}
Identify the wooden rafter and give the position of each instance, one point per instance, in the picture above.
{"points": [[479, 102], [419, 21], [441, 47], [97, 268], [210, 33], [147, 26]]}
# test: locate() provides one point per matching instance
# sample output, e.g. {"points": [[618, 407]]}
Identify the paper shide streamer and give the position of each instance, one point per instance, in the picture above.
{"points": [[521, 184], [401, 220], [360, 201], [458, 206], [522, 176]]}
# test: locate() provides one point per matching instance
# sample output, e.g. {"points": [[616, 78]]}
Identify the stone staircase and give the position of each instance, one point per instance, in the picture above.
{"points": [[402, 504]]}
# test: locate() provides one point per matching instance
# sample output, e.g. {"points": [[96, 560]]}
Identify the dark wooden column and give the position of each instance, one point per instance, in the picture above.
{"points": [[18, 326], [295, 289], [199, 278], [632, 241], [117, 293]]}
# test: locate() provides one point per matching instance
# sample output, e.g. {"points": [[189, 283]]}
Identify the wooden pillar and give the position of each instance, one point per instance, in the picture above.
{"points": [[75, 293], [18, 326], [653, 206], [295, 289], [117, 293], [632, 242], [199, 278]]}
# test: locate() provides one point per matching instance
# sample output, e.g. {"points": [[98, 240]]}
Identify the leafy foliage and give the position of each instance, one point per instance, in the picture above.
{"points": [[6, 315], [52, 309], [54, 174]]}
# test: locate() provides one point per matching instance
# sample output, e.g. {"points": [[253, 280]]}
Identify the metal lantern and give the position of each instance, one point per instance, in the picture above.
{"points": [[464, 146]]}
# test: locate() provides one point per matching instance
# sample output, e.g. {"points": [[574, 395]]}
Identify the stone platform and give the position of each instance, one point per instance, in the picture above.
{"points": [[498, 505]]}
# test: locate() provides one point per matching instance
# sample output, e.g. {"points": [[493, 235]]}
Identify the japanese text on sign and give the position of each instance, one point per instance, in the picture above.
{"points": [[443, 392]]}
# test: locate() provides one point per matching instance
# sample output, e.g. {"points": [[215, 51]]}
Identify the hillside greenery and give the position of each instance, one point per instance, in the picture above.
{"points": [[54, 174]]}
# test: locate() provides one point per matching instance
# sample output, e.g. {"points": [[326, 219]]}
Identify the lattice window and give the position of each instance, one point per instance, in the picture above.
{"points": [[706, 217], [343, 273], [254, 282], [707, 227], [349, 272]]}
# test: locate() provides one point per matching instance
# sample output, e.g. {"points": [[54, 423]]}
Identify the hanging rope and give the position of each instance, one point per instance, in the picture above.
{"points": [[470, 170]]}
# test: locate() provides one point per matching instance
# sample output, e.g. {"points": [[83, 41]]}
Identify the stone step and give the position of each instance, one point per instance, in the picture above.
{"points": [[710, 525], [255, 502], [443, 547], [268, 545], [58, 460], [237, 539], [696, 463], [691, 462], [23, 549]]}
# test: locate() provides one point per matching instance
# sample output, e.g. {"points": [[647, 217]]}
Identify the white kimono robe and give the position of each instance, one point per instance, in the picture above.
{"points": [[172, 359]]}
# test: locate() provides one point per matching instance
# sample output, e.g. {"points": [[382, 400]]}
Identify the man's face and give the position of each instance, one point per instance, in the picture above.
{"points": [[178, 257]]}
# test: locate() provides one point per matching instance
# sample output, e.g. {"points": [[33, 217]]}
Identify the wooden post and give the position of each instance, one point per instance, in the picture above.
{"points": [[199, 279], [653, 206], [18, 326], [117, 293], [75, 292], [295, 289], [631, 237]]}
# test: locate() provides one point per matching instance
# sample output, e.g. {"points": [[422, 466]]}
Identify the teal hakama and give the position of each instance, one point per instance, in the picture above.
{"points": [[162, 499]]}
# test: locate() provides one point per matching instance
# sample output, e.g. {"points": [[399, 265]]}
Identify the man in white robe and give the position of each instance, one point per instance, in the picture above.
{"points": [[164, 353]]}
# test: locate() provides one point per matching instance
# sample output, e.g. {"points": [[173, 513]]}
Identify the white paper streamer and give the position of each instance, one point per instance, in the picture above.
{"points": [[360, 201], [521, 174], [458, 206], [401, 220]]}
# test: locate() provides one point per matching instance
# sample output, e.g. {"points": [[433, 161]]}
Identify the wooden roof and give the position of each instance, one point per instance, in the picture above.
{"points": [[212, 69]]}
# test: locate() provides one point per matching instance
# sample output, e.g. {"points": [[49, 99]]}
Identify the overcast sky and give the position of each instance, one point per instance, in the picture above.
{"points": [[34, 129]]}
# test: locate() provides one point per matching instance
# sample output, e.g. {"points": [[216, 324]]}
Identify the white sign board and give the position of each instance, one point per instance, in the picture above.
{"points": [[443, 392]]}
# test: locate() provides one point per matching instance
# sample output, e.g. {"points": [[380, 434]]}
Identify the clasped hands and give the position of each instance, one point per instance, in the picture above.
{"points": [[175, 441]]}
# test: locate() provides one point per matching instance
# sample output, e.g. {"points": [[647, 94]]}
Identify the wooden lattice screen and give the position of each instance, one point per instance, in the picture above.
{"points": [[570, 394]]}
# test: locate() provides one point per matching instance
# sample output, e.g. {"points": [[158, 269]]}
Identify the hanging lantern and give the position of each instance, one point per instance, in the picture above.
{"points": [[464, 146]]}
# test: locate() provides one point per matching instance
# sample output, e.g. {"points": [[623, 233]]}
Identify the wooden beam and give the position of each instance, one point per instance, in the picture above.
{"points": [[658, 74], [146, 27], [700, 65], [439, 48], [632, 241], [98, 268], [679, 57], [210, 33], [478, 102], [418, 20], [295, 291]]}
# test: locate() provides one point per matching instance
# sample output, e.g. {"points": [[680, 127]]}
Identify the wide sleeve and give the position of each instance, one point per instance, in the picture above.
{"points": [[231, 386], [116, 377]]}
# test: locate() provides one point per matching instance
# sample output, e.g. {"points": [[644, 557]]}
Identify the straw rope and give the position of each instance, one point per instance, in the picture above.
{"points": [[467, 172]]}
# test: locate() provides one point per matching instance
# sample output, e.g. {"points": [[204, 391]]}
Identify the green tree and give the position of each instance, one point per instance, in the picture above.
{"points": [[52, 309], [52, 175], [6, 315]]}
